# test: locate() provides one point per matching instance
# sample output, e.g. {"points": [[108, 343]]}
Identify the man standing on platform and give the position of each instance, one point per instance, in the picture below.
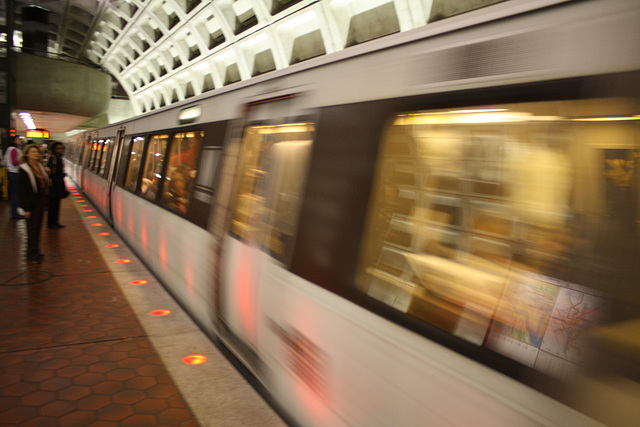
{"points": [[57, 190]]}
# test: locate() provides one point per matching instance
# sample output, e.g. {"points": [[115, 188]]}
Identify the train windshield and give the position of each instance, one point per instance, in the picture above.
{"points": [[515, 227]]}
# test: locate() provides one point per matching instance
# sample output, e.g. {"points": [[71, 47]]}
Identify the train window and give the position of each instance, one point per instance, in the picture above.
{"points": [[273, 164], [93, 154], [178, 182], [106, 163], [506, 225], [103, 156], [98, 155], [152, 174], [85, 150], [135, 157], [211, 158]]}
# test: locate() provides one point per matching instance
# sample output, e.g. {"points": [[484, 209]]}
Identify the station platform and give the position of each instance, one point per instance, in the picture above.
{"points": [[90, 338]]}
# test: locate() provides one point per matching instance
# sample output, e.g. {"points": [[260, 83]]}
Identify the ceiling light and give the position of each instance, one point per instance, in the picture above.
{"points": [[28, 121], [607, 119]]}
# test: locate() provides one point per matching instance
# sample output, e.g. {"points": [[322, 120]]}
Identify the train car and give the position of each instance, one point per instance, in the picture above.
{"points": [[439, 227]]}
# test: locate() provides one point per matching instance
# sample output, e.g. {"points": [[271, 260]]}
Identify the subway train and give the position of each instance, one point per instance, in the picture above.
{"points": [[437, 227]]}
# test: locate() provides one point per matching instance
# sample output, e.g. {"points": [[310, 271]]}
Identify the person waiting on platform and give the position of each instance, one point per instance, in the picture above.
{"points": [[33, 186], [57, 190], [12, 162]]}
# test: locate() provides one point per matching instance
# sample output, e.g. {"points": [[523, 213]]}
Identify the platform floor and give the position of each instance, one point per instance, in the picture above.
{"points": [[79, 347]]}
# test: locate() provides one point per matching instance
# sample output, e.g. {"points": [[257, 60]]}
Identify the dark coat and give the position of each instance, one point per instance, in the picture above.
{"points": [[30, 194], [57, 190]]}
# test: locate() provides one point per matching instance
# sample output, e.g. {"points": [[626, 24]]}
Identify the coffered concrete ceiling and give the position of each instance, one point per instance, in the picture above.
{"points": [[165, 51]]}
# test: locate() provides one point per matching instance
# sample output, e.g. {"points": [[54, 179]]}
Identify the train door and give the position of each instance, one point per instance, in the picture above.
{"points": [[271, 169], [112, 174]]}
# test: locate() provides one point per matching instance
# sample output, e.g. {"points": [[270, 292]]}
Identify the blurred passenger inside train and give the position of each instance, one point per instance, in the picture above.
{"points": [[57, 190], [185, 151], [176, 197], [33, 186], [149, 186], [12, 163]]}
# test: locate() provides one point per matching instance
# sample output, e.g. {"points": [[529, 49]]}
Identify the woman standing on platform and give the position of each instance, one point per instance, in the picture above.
{"points": [[33, 186], [58, 190]]}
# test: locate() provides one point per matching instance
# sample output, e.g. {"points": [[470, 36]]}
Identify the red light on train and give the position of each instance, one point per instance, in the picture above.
{"points": [[138, 282], [103, 234], [160, 312], [194, 359], [123, 261], [113, 245]]}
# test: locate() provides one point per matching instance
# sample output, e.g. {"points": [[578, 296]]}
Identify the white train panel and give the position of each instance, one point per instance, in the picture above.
{"points": [[166, 243], [332, 362], [97, 188]]}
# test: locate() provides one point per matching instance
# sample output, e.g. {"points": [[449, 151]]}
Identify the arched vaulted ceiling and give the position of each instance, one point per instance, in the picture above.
{"points": [[165, 51]]}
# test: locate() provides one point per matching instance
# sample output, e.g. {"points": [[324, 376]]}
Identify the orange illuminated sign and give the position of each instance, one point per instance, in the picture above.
{"points": [[37, 133]]}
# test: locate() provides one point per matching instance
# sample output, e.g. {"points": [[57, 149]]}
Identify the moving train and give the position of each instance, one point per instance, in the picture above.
{"points": [[438, 227]]}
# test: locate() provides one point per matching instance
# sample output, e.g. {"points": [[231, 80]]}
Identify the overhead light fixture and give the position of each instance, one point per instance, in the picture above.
{"points": [[189, 114], [28, 121], [607, 119], [17, 38]]}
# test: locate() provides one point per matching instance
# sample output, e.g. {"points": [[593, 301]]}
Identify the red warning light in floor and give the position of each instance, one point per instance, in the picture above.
{"points": [[97, 224], [123, 261], [194, 359], [138, 282], [84, 206], [113, 245], [92, 217], [87, 210], [103, 234], [160, 312], [82, 201]]}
